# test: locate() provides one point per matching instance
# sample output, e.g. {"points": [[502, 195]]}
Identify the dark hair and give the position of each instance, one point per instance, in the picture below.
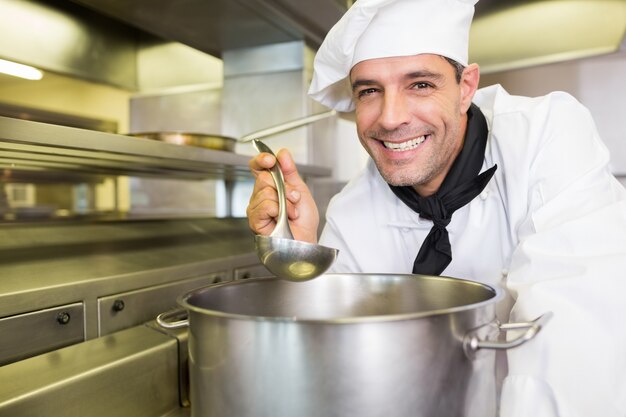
{"points": [[458, 68]]}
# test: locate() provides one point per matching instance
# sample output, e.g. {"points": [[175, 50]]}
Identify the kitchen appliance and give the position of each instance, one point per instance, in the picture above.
{"points": [[345, 345]]}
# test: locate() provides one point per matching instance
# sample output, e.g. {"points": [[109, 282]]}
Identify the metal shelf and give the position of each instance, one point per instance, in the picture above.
{"points": [[27, 146]]}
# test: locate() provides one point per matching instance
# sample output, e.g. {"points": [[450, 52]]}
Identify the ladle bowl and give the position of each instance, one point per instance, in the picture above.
{"points": [[282, 255]]}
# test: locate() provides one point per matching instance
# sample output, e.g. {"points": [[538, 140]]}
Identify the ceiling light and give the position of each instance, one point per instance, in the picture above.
{"points": [[19, 70]]}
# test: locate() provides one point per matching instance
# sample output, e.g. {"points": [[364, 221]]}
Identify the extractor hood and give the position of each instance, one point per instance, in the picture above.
{"points": [[213, 26], [506, 34], [514, 34]]}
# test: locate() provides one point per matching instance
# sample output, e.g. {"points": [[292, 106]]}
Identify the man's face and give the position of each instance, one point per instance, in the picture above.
{"points": [[411, 117]]}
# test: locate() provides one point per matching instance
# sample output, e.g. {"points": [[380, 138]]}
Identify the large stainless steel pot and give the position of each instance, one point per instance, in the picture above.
{"points": [[345, 345]]}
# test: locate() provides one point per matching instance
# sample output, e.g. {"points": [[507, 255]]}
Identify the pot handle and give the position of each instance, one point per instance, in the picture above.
{"points": [[165, 319], [472, 342]]}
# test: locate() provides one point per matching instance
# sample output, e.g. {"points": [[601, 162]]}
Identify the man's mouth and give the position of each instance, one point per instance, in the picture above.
{"points": [[404, 146]]}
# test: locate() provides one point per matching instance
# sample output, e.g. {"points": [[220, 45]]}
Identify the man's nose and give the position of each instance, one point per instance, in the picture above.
{"points": [[394, 112]]}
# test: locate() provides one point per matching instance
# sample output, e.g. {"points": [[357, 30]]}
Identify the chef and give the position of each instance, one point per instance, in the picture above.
{"points": [[511, 191]]}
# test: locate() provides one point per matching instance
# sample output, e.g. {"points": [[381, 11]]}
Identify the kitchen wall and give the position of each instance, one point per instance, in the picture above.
{"points": [[597, 82]]}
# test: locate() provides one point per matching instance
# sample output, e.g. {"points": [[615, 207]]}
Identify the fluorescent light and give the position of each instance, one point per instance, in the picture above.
{"points": [[19, 70]]}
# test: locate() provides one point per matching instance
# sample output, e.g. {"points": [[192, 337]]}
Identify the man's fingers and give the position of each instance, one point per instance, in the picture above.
{"points": [[263, 209], [263, 180], [261, 216], [289, 168], [265, 202], [261, 162]]}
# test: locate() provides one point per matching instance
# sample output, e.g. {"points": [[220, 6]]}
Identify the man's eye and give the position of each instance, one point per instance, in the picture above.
{"points": [[420, 85], [366, 92]]}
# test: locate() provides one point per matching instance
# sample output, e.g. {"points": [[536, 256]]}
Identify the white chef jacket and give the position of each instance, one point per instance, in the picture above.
{"points": [[549, 228]]}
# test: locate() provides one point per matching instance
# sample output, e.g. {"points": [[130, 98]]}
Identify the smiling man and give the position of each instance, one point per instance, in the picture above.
{"points": [[412, 116], [511, 191]]}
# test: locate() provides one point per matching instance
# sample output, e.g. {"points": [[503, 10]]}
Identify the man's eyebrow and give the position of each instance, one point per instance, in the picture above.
{"points": [[409, 76], [424, 74], [360, 83]]}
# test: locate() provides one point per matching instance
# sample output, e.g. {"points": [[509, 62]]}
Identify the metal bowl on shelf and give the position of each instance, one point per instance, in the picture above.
{"points": [[217, 142], [226, 143]]}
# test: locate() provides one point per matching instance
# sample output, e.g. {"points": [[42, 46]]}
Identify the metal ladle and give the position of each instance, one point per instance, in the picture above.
{"points": [[282, 255]]}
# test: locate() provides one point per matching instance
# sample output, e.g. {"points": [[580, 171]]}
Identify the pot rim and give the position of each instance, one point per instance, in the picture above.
{"points": [[498, 294]]}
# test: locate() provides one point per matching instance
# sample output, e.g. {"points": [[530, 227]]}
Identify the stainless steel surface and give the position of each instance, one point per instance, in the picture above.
{"points": [[53, 264], [127, 309], [33, 146], [179, 412], [132, 373], [263, 60], [63, 119], [515, 34], [175, 319], [70, 40], [35, 332], [284, 256], [294, 260], [219, 25], [251, 271], [474, 342], [197, 109], [341, 345], [201, 140], [501, 37], [182, 337]]}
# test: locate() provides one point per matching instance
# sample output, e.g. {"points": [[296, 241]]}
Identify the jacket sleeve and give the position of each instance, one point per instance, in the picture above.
{"points": [[571, 260]]}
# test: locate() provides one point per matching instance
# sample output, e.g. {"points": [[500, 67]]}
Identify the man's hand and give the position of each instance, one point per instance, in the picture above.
{"points": [[263, 206]]}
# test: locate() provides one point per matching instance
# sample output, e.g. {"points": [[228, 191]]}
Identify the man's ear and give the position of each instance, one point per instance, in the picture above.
{"points": [[469, 85]]}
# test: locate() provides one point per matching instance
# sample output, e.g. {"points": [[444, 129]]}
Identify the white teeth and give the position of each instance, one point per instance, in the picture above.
{"points": [[403, 146]]}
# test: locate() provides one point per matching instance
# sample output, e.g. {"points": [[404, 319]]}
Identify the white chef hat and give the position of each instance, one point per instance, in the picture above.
{"points": [[386, 28]]}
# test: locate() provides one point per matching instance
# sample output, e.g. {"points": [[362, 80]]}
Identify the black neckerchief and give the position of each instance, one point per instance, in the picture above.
{"points": [[459, 187]]}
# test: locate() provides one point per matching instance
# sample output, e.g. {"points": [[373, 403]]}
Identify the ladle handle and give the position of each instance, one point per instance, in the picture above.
{"points": [[282, 229]]}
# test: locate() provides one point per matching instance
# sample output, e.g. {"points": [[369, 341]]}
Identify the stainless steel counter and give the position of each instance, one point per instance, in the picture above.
{"points": [[48, 264], [70, 282], [131, 373]]}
